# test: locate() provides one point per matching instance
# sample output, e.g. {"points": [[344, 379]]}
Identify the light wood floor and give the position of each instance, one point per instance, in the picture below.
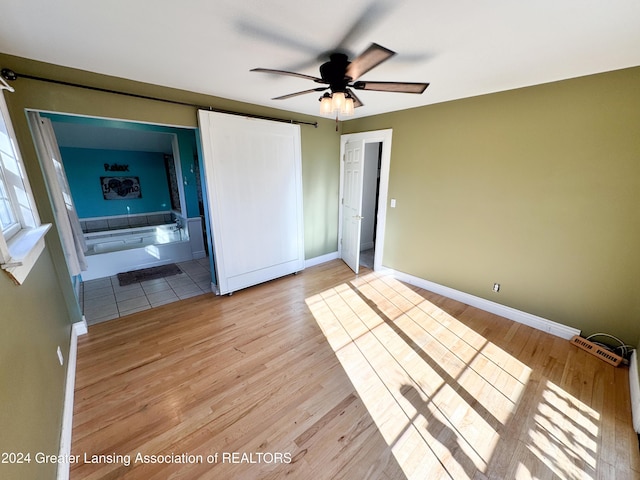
{"points": [[326, 375]]}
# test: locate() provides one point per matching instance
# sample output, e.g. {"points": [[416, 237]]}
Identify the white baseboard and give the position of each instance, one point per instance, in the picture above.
{"points": [[634, 387], [81, 328], [549, 326], [77, 329], [321, 259]]}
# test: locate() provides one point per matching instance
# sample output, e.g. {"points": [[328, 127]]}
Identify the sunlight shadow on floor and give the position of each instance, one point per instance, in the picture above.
{"points": [[442, 395]]}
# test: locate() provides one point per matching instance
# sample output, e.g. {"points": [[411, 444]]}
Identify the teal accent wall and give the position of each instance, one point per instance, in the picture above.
{"points": [[85, 166]]}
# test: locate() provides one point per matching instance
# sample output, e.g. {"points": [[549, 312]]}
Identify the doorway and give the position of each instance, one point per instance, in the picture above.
{"points": [[370, 190], [137, 193], [363, 216]]}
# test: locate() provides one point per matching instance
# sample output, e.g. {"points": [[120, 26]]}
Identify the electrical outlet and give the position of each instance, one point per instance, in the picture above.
{"points": [[496, 287], [60, 357]]}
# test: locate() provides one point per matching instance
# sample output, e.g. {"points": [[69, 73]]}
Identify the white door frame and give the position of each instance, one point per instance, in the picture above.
{"points": [[377, 136]]}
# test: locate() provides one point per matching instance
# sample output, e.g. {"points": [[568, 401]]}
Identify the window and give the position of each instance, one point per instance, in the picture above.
{"points": [[22, 235], [7, 216]]}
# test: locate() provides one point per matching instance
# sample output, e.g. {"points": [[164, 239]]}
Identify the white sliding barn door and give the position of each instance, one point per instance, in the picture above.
{"points": [[253, 171]]}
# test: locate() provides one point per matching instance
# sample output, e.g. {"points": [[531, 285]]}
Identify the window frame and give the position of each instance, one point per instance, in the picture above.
{"points": [[15, 226], [21, 246]]}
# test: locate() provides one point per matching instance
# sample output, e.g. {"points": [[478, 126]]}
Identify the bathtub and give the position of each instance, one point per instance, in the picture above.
{"points": [[115, 251]]}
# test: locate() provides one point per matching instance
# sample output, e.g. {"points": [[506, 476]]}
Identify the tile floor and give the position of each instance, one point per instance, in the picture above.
{"points": [[104, 299]]}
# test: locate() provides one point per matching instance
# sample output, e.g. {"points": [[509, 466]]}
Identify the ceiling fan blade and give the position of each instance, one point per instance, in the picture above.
{"points": [[291, 74], [356, 101], [304, 92], [370, 58], [401, 87], [262, 30], [372, 15]]}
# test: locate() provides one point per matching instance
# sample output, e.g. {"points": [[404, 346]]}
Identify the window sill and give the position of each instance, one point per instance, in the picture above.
{"points": [[24, 250]]}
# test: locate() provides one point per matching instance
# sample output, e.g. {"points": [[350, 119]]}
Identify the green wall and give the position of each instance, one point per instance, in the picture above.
{"points": [[32, 386], [537, 189], [34, 322]]}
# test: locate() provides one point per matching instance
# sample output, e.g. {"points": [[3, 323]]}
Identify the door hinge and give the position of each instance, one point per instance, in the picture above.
{"points": [[342, 200]]}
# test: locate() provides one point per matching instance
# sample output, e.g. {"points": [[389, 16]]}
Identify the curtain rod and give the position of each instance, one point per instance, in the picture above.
{"points": [[5, 86], [8, 74]]}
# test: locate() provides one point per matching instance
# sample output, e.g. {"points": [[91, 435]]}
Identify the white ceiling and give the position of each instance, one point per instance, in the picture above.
{"points": [[462, 47], [88, 135]]}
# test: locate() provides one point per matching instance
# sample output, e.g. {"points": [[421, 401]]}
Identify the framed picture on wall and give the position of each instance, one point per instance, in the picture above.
{"points": [[120, 188]]}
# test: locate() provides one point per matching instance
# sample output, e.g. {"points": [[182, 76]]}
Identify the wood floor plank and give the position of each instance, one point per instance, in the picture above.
{"points": [[348, 377]]}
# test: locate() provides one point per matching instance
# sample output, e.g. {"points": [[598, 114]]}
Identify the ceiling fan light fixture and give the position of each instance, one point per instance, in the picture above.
{"points": [[338, 101], [326, 104], [341, 75], [348, 108]]}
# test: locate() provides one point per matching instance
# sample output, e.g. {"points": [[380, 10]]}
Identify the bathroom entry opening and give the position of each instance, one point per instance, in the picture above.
{"points": [[132, 183]]}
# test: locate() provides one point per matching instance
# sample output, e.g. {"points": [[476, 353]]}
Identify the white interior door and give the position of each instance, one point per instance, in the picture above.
{"points": [[253, 171], [352, 203], [378, 136]]}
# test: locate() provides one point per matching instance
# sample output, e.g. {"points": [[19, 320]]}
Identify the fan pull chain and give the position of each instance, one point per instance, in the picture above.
{"points": [[336, 123]]}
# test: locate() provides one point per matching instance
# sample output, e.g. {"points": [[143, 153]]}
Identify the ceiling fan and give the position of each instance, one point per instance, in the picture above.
{"points": [[341, 77]]}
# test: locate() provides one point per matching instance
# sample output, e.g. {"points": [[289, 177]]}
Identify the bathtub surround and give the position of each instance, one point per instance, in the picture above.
{"points": [[130, 242], [130, 238], [115, 222], [123, 250]]}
